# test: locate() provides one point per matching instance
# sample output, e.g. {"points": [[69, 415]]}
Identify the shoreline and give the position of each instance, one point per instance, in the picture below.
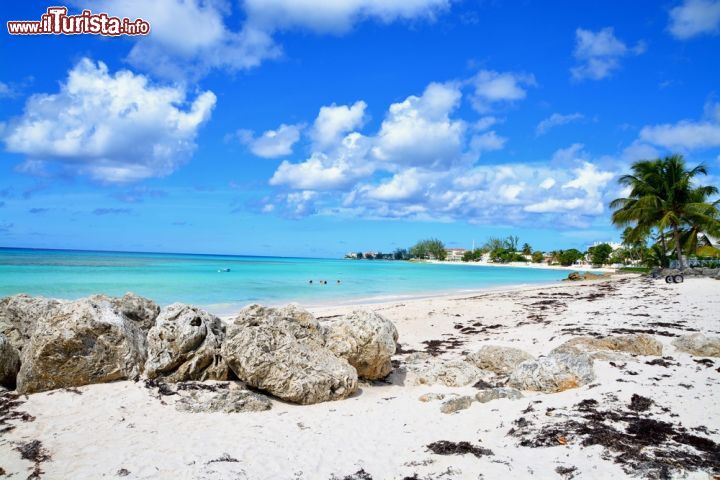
{"points": [[529, 265]]}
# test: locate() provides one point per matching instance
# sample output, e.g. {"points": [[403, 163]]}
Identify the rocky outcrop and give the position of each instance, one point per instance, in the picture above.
{"points": [[9, 363], [496, 359], [634, 344], [451, 373], [698, 345], [456, 404], [282, 351], [185, 345], [365, 339], [20, 314], [555, 373], [220, 397], [82, 342], [490, 394]]}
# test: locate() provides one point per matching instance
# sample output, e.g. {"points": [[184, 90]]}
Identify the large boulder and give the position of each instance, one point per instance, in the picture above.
{"points": [[185, 345], [9, 363], [82, 342], [281, 351], [500, 360], [20, 314], [451, 373], [555, 373], [699, 345], [634, 344], [365, 339]]}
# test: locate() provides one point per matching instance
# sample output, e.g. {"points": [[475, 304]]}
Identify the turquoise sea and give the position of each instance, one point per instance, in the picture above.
{"points": [[196, 279]]}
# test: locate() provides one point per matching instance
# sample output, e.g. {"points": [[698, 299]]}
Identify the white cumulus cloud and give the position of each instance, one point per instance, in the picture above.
{"points": [[687, 134], [695, 17], [113, 127], [419, 131], [684, 134], [493, 87], [343, 166], [334, 121], [599, 53], [271, 143]]}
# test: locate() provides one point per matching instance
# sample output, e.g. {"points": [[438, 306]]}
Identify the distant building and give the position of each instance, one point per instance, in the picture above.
{"points": [[614, 245], [454, 254]]}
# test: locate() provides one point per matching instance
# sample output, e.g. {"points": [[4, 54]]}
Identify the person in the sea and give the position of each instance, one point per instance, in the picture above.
{"points": [[310, 282]]}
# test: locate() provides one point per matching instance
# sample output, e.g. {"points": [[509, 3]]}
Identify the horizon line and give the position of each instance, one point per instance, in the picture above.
{"points": [[162, 253]]}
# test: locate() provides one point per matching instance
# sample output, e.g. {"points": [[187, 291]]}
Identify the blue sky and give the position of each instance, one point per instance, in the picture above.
{"points": [[312, 128]]}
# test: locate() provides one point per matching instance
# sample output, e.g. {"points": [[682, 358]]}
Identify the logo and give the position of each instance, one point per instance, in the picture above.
{"points": [[56, 21]]}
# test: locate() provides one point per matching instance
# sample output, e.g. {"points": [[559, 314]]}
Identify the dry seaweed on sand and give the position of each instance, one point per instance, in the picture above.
{"points": [[9, 401], [445, 447], [642, 445], [437, 347], [35, 452], [224, 458], [359, 475]]}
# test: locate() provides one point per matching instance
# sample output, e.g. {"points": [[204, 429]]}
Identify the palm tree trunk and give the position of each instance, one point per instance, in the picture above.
{"points": [[664, 248], [678, 249]]}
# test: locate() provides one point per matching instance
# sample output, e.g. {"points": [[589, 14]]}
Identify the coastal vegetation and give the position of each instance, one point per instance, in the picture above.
{"points": [[666, 204], [430, 248]]}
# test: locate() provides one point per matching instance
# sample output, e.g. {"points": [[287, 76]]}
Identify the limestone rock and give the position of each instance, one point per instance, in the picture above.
{"points": [[578, 276], [9, 363], [451, 373], [140, 310], [635, 344], [20, 314], [219, 397], [485, 396], [555, 373], [456, 404], [281, 350], [699, 345], [501, 360], [79, 343], [185, 345], [365, 339]]}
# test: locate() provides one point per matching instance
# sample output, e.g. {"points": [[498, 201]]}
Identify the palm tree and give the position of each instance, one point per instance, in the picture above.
{"points": [[663, 196]]}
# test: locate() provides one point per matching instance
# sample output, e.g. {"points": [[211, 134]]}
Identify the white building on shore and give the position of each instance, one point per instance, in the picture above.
{"points": [[454, 254]]}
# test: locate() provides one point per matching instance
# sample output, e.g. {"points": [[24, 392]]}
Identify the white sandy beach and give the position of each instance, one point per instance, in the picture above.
{"points": [[126, 430], [542, 266]]}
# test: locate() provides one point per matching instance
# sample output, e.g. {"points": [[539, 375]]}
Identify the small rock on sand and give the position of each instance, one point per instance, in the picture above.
{"points": [[226, 398], [451, 373], [555, 373], [485, 396], [455, 404], [497, 359], [699, 345], [634, 344]]}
